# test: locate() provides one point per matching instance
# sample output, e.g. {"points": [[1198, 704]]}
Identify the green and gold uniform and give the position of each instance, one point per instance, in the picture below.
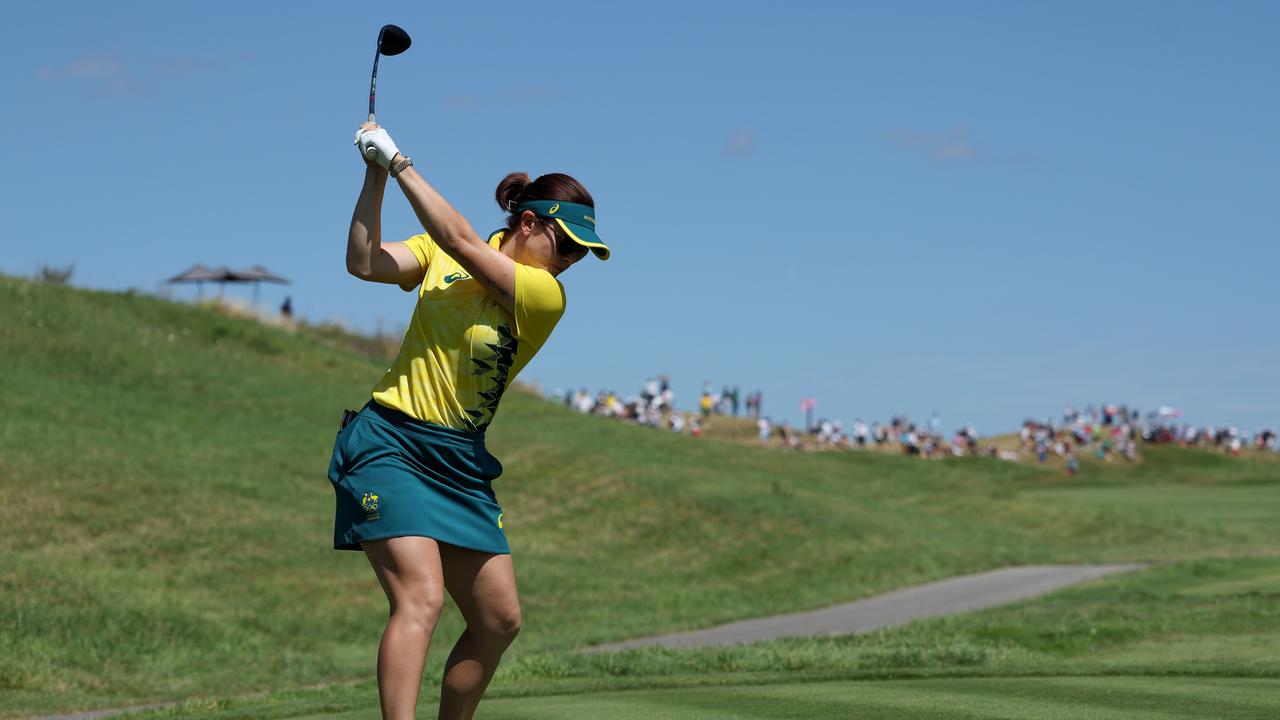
{"points": [[462, 348], [413, 461]]}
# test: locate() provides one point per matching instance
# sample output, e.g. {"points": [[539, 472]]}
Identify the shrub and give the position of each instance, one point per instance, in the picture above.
{"points": [[55, 275]]}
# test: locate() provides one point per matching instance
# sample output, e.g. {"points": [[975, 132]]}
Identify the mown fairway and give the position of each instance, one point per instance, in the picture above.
{"points": [[1064, 698], [167, 528]]}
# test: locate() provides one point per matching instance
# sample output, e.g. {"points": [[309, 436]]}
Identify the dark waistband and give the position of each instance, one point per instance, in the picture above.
{"points": [[406, 423]]}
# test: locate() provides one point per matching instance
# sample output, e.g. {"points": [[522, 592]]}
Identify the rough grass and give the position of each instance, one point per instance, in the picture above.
{"points": [[170, 528]]}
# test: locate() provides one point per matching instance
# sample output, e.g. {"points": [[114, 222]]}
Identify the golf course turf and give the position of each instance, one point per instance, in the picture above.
{"points": [[172, 543]]}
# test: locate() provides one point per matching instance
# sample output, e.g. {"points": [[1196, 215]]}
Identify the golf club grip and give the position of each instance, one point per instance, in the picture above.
{"points": [[371, 152]]}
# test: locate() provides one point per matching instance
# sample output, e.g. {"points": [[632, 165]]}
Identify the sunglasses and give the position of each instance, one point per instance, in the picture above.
{"points": [[565, 245]]}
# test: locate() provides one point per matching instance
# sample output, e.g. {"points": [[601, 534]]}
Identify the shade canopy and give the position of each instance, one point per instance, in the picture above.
{"points": [[259, 273], [199, 274], [223, 274], [195, 273]]}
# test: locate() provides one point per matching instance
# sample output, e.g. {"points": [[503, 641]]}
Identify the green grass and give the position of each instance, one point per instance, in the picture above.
{"points": [[170, 535], [988, 698], [1064, 698], [1183, 622]]}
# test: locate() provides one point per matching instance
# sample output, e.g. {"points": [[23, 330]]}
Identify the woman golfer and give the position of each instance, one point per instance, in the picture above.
{"points": [[411, 473]]}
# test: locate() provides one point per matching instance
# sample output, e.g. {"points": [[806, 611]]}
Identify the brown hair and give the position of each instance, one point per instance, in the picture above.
{"points": [[516, 188]]}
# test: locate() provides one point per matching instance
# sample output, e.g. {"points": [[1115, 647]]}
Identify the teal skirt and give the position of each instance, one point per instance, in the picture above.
{"points": [[394, 475]]}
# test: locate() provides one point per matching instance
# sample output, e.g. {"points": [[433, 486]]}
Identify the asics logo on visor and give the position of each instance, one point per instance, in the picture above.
{"points": [[552, 210]]}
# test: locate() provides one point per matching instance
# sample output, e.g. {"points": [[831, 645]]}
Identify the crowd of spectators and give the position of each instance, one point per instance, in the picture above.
{"points": [[653, 406], [1105, 432], [1227, 438]]}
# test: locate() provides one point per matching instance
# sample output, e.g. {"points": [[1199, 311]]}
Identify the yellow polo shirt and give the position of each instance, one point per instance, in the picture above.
{"points": [[462, 349]]}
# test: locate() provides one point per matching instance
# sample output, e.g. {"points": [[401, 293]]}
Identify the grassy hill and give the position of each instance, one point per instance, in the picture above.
{"points": [[167, 527]]}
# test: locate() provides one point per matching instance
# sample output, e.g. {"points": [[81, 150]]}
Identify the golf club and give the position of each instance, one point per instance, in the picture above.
{"points": [[392, 40]]}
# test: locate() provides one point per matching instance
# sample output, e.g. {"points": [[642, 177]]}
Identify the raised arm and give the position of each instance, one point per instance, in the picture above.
{"points": [[452, 233], [493, 270], [367, 257]]}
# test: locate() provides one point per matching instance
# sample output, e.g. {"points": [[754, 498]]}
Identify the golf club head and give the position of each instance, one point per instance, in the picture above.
{"points": [[393, 40]]}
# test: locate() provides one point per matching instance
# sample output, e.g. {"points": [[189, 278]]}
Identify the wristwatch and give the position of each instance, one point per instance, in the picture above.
{"points": [[400, 166]]}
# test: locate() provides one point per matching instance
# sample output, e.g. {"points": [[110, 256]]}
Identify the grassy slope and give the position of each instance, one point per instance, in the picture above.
{"points": [[172, 534]]}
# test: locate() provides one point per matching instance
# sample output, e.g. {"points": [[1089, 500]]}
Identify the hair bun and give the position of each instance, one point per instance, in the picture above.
{"points": [[509, 190], [516, 188]]}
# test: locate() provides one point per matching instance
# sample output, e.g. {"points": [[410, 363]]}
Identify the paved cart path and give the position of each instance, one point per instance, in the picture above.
{"points": [[944, 597]]}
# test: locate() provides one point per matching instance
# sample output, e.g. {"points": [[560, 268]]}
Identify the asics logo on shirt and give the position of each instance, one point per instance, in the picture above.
{"points": [[451, 278]]}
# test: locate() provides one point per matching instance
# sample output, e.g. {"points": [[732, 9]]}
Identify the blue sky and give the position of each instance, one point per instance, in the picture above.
{"points": [[985, 209]]}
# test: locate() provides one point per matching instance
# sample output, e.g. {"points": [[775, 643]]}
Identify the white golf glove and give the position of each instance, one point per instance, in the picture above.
{"points": [[377, 145]]}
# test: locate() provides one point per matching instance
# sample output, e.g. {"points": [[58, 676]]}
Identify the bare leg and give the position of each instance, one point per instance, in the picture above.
{"points": [[484, 588], [409, 570]]}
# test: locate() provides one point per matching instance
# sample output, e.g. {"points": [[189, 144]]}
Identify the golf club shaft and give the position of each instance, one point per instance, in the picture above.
{"points": [[373, 81], [373, 90]]}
